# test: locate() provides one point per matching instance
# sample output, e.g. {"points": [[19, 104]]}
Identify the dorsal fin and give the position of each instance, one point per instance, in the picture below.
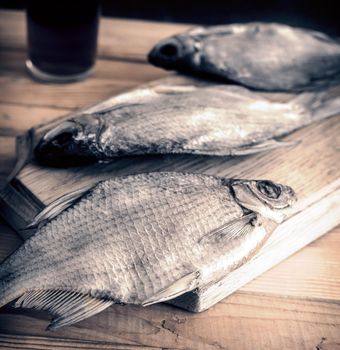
{"points": [[66, 307], [114, 108], [181, 286], [57, 206], [174, 89]]}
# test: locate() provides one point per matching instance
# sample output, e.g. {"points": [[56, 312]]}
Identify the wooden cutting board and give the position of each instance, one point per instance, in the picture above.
{"points": [[311, 168]]}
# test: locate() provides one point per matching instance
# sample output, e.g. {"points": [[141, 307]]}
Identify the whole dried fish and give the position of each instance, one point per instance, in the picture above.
{"points": [[272, 57], [139, 239], [220, 120]]}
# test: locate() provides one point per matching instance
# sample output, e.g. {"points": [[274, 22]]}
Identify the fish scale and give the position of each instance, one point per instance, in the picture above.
{"points": [[136, 239]]}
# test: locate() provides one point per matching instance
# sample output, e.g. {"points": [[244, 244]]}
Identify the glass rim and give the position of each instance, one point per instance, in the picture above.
{"points": [[42, 76]]}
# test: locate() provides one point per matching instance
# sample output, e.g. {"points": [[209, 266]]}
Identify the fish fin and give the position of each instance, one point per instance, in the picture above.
{"points": [[57, 206], [181, 286], [113, 108], [226, 150], [136, 96], [319, 105], [66, 307], [174, 89], [234, 229], [196, 30], [262, 147]]}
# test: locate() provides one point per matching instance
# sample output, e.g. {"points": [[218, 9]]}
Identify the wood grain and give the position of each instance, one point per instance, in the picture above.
{"points": [[110, 78], [316, 278], [16, 119], [242, 321], [71, 96]]}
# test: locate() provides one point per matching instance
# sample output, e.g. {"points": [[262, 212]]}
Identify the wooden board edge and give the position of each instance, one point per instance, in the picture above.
{"points": [[17, 208]]}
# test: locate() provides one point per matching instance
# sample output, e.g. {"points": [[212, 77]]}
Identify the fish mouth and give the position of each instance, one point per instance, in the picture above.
{"points": [[165, 54], [58, 146]]}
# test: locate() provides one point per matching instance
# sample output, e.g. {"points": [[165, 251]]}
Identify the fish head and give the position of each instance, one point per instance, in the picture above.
{"points": [[69, 143], [173, 53], [271, 200]]}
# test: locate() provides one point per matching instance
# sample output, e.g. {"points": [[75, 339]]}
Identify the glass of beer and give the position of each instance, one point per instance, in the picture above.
{"points": [[62, 39]]}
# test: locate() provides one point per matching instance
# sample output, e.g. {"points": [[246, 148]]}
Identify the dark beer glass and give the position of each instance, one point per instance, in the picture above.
{"points": [[62, 39]]}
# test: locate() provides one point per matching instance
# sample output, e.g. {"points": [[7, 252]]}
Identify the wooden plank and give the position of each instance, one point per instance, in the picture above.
{"points": [[18, 341], [29, 93], [240, 322], [17, 119], [41, 185], [120, 77], [313, 273], [118, 38]]}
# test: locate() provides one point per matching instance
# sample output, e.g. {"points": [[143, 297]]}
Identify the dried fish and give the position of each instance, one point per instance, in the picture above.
{"points": [[139, 239], [265, 56], [222, 120]]}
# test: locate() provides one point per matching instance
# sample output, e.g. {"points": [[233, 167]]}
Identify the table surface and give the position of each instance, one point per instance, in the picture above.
{"points": [[295, 305]]}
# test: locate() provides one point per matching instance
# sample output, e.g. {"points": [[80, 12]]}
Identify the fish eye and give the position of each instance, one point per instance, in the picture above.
{"points": [[62, 138], [169, 50], [269, 189]]}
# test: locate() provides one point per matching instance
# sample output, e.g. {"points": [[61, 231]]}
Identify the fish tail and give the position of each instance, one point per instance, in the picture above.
{"points": [[320, 105]]}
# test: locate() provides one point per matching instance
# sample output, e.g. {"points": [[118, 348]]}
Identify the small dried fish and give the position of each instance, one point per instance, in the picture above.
{"points": [[272, 57], [139, 239], [220, 120]]}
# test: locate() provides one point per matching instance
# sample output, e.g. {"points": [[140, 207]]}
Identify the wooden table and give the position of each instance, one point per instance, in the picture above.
{"points": [[295, 305]]}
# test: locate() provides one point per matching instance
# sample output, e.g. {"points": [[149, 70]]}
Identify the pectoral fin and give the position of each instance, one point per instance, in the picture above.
{"points": [[67, 307], [232, 230], [181, 286], [140, 95], [57, 206]]}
